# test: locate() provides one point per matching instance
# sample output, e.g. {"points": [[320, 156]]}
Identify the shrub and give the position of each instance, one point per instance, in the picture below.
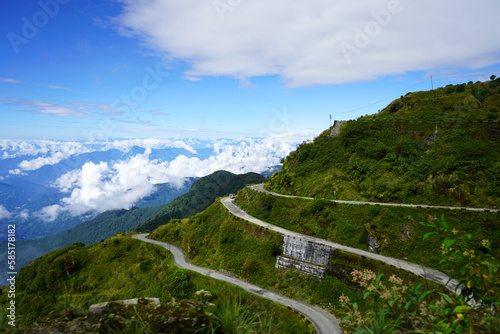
{"points": [[393, 304], [116, 242], [316, 206], [460, 88], [312, 154], [180, 285], [275, 249], [303, 155], [144, 266]]}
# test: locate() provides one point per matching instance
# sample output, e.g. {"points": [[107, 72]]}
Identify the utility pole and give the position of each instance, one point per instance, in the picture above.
{"points": [[432, 84], [330, 120]]}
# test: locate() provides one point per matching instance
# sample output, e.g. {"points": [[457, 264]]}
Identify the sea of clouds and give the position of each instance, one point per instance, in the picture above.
{"points": [[119, 183]]}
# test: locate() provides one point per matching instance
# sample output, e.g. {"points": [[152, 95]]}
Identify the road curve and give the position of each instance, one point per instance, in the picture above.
{"points": [[425, 272], [322, 321], [260, 188]]}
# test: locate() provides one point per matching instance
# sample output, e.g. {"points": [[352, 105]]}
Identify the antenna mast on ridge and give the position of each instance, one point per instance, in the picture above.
{"points": [[432, 84]]}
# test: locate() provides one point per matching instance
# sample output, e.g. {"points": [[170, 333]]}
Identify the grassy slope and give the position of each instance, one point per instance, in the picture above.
{"points": [[426, 160], [101, 227], [201, 195], [139, 270], [399, 230], [216, 239]]}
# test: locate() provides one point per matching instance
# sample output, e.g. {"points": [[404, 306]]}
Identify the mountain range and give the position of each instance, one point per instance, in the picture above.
{"points": [[435, 148]]}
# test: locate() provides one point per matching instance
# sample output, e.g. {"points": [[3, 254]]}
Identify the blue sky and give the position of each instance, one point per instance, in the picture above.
{"points": [[80, 70]]}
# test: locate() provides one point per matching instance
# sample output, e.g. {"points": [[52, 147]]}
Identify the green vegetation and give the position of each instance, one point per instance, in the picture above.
{"points": [[398, 230], [216, 239], [68, 280], [103, 226], [427, 147], [395, 306], [201, 195]]}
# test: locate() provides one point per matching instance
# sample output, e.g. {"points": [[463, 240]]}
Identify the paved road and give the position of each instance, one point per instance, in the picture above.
{"points": [[425, 272], [260, 188], [322, 321]]}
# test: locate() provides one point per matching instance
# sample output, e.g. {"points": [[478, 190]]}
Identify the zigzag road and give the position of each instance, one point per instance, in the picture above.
{"points": [[322, 321], [425, 272], [260, 188]]}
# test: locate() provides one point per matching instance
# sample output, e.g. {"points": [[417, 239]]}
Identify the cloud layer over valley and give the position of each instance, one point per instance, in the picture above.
{"points": [[128, 170]]}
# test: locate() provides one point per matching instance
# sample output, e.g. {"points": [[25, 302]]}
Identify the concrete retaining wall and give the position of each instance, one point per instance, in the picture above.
{"points": [[306, 268], [303, 250]]}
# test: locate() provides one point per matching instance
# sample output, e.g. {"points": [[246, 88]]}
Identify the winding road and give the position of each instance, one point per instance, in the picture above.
{"points": [[260, 188], [420, 270], [324, 322]]}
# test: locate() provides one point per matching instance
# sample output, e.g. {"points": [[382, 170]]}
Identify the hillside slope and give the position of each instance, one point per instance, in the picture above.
{"points": [[426, 147], [201, 195], [58, 288]]}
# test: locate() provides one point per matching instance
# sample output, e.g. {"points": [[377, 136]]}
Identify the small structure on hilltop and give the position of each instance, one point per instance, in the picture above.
{"points": [[336, 127]]}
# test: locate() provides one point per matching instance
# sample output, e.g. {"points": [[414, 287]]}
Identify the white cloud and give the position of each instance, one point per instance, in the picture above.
{"points": [[117, 185], [4, 213], [62, 151], [16, 171], [42, 107], [18, 147], [52, 152], [9, 80], [103, 186], [316, 42], [48, 213], [24, 214], [153, 143]]}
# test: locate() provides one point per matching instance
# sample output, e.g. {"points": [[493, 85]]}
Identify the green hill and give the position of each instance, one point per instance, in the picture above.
{"points": [[440, 147], [202, 194], [57, 289]]}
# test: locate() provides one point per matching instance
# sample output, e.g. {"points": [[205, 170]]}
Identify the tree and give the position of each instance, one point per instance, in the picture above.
{"points": [[493, 77]]}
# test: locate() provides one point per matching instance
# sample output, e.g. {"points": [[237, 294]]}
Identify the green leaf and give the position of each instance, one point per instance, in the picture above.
{"points": [[424, 295], [461, 309], [368, 293], [469, 236], [447, 298], [429, 234], [444, 224], [377, 281], [449, 242]]}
